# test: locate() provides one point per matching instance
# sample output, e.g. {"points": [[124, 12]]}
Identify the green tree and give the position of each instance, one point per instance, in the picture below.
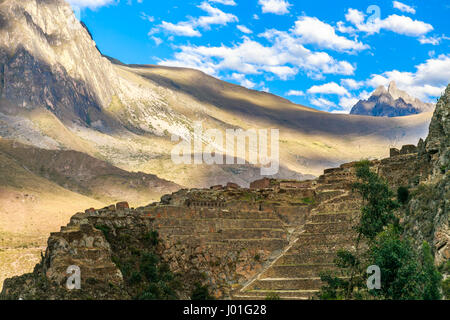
{"points": [[402, 194], [405, 273]]}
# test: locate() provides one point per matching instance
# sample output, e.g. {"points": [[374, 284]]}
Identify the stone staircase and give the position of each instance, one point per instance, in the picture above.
{"points": [[296, 272]]}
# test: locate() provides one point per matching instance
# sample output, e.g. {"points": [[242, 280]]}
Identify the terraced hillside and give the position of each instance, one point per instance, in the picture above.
{"points": [[274, 237]]}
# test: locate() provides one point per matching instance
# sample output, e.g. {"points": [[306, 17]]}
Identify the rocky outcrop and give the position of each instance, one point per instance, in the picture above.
{"points": [[390, 103], [428, 211]]}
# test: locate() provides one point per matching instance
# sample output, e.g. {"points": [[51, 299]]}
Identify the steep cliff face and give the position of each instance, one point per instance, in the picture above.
{"points": [[428, 211], [392, 102], [47, 59]]}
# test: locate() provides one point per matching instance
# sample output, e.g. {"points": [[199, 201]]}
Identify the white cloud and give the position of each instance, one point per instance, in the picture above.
{"points": [[243, 81], [329, 88], [322, 103], [355, 16], [216, 16], [225, 2], [255, 17], [427, 83], [244, 29], [352, 84], [395, 23], [189, 28], [145, 16], [92, 4], [180, 29], [346, 104], [313, 31], [430, 40], [284, 58], [297, 93], [157, 40], [279, 7], [403, 7]]}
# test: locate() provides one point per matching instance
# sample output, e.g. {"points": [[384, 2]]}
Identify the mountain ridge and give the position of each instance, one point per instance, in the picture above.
{"points": [[392, 102]]}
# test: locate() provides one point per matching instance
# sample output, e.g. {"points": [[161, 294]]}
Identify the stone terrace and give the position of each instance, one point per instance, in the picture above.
{"points": [[275, 237]]}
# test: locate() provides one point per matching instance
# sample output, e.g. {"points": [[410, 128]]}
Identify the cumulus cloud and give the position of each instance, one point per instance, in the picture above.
{"points": [[403, 7], [313, 31], [329, 88], [284, 58], [189, 28], [92, 4], [242, 80], [225, 2], [430, 40], [395, 23], [352, 84], [279, 7], [180, 29], [244, 29], [297, 93], [216, 16]]}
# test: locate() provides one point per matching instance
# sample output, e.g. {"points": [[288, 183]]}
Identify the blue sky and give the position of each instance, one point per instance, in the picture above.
{"points": [[326, 54]]}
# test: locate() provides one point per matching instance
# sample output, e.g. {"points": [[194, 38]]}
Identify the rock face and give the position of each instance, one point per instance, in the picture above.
{"points": [[47, 59], [429, 209], [390, 103]]}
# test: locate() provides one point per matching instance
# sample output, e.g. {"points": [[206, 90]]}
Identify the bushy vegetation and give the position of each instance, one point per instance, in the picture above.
{"points": [[405, 273], [201, 292], [403, 194], [146, 276]]}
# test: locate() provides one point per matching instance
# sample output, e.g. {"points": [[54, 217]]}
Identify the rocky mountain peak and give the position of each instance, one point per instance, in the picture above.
{"points": [[390, 102]]}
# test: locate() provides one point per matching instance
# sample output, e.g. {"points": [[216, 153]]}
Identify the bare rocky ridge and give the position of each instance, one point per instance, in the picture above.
{"points": [[392, 102]]}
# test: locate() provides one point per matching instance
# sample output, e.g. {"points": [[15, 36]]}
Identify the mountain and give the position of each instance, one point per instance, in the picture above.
{"points": [[59, 92], [392, 102]]}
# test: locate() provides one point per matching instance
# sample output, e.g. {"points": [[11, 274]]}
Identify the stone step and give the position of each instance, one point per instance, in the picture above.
{"points": [[318, 248], [283, 294], [327, 227], [330, 217], [297, 271], [306, 258], [324, 238], [272, 284], [254, 244], [329, 194], [209, 233], [340, 206], [220, 223], [245, 234], [205, 213]]}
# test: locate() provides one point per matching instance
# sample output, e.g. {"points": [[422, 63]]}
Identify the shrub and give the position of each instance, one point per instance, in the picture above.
{"points": [[402, 194], [201, 292], [152, 238]]}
